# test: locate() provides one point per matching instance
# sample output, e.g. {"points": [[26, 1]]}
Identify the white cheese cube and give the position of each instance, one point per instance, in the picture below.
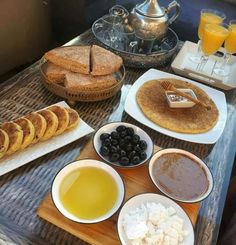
{"points": [[171, 211], [173, 241], [171, 232]]}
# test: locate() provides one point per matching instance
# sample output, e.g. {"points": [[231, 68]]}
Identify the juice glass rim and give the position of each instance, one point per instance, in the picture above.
{"points": [[224, 25], [232, 22], [214, 11]]}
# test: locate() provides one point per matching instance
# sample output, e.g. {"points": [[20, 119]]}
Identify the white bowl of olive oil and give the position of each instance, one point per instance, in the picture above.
{"points": [[88, 191]]}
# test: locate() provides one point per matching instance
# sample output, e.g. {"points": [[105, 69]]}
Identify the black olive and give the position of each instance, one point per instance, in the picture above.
{"points": [[120, 128], [106, 142], [137, 148], [122, 153], [130, 131], [143, 155], [104, 136], [136, 138], [132, 154], [114, 157], [122, 143], [123, 133], [129, 147], [104, 151], [143, 144], [115, 135], [118, 148], [124, 161], [113, 149], [114, 142], [135, 160], [127, 139]]}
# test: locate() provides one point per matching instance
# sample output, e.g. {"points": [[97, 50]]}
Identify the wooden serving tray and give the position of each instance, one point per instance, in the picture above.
{"points": [[136, 181]]}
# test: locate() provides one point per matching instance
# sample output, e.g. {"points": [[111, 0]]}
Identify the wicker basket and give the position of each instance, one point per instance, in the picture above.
{"points": [[82, 95]]}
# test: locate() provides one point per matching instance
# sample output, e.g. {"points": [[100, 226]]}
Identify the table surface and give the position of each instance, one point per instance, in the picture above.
{"points": [[22, 190]]}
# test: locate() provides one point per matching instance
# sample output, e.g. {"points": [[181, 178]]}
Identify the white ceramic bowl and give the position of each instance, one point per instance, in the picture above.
{"points": [[185, 103], [136, 201], [87, 163], [193, 157], [108, 128]]}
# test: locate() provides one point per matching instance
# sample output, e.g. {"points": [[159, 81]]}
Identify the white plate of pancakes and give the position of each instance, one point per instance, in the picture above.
{"points": [[217, 98], [34, 135]]}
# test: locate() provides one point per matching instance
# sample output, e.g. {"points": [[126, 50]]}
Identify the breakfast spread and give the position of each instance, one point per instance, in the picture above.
{"points": [[37, 126], [123, 146], [153, 223], [82, 67], [152, 101], [180, 176]]}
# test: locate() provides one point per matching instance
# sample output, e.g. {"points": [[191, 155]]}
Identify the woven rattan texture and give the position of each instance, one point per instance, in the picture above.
{"points": [[22, 190]]}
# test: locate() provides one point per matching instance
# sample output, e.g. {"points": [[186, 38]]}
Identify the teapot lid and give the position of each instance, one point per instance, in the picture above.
{"points": [[150, 8]]}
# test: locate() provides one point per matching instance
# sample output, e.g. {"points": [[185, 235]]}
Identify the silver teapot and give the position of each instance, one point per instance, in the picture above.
{"points": [[150, 20]]}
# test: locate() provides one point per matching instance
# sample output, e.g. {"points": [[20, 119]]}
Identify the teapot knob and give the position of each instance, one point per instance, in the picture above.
{"points": [[119, 11], [172, 5]]}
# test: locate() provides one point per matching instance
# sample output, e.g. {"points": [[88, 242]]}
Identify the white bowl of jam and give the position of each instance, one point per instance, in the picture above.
{"points": [[88, 191], [180, 175]]}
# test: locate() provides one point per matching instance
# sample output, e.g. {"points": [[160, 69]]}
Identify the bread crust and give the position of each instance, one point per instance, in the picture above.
{"points": [[73, 58], [104, 62], [78, 81]]}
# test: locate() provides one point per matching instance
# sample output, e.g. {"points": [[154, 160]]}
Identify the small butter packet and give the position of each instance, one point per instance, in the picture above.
{"points": [[177, 101]]}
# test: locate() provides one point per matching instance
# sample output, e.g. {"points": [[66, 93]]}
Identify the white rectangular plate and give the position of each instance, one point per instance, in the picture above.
{"points": [[39, 149], [183, 66], [210, 137]]}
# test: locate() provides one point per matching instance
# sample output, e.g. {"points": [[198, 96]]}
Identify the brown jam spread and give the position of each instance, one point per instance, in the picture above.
{"points": [[180, 176]]}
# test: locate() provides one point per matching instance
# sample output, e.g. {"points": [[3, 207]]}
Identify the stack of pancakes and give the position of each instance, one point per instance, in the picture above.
{"points": [[82, 67], [37, 126]]}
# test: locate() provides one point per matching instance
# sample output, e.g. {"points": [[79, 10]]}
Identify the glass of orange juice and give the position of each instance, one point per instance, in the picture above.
{"points": [[213, 36], [230, 48], [207, 16]]}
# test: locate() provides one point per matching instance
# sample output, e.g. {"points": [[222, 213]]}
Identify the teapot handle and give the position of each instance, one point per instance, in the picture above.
{"points": [[172, 5]]}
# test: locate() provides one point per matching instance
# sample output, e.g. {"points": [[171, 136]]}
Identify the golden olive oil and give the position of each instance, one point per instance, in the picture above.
{"points": [[88, 192]]}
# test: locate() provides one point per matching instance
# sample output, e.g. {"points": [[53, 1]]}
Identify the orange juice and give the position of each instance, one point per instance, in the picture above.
{"points": [[230, 42], [213, 37], [208, 18]]}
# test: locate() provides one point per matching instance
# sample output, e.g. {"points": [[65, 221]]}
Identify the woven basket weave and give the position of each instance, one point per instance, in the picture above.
{"points": [[80, 94]]}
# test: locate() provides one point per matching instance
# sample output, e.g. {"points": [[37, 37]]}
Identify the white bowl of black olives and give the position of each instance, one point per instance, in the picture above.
{"points": [[123, 144]]}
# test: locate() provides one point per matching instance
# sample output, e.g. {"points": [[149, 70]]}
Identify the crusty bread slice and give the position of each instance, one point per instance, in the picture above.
{"points": [[72, 58], [4, 142], [15, 135], [74, 118], [63, 118], [28, 131], [52, 123], [40, 125], [104, 62], [54, 73], [88, 82]]}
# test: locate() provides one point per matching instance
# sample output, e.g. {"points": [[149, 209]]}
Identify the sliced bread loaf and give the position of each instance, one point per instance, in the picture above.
{"points": [[88, 82], [72, 58], [104, 62], [54, 73]]}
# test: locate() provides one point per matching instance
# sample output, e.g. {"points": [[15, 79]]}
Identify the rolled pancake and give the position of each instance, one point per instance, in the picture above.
{"points": [[153, 103]]}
